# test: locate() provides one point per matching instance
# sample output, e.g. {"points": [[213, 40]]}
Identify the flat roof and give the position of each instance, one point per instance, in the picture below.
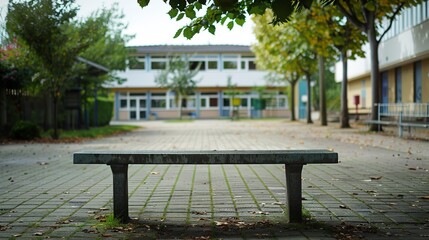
{"points": [[165, 49]]}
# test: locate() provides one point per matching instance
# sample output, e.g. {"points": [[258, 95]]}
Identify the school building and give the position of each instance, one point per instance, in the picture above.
{"points": [[140, 98]]}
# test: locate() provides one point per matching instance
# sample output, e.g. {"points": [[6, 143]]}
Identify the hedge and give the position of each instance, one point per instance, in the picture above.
{"points": [[105, 111]]}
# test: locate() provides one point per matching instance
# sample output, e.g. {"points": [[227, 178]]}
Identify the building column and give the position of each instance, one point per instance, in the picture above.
{"points": [[197, 104], [148, 105], [116, 106]]}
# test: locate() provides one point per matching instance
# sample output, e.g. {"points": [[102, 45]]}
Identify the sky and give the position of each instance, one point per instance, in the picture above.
{"points": [[153, 26]]}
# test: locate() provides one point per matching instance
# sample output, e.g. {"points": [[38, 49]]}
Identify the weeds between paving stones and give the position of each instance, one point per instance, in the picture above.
{"points": [[108, 226]]}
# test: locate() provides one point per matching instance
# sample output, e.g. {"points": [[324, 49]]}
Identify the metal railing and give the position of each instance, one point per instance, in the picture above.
{"points": [[404, 111], [413, 110]]}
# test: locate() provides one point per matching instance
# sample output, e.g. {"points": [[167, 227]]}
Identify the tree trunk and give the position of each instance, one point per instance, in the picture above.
{"points": [[180, 107], [344, 116], [292, 105], [308, 76], [322, 93], [375, 73]]}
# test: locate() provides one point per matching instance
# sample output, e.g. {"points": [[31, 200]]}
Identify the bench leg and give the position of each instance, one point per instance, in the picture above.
{"points": [[294, 192], [120, 191]]}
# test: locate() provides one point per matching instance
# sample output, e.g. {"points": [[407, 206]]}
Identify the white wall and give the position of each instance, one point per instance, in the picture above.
{"points": [[408, 45], [143, 78]]}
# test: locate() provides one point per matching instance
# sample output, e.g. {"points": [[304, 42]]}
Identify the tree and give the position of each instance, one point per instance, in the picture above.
{"points": [[108, 50], [279, 51], [179, 78], [367, 15], [333, 30], [44, 26], [229, 12]]}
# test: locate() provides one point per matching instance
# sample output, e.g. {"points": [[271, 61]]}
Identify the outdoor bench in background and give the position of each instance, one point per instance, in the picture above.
{"points": [[292, 159]]}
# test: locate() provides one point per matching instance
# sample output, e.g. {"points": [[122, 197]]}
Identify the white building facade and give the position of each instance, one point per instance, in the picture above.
{"points": [[140, 98]]}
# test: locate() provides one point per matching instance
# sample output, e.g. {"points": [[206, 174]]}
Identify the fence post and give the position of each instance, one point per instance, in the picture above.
{"points": [[400, 124], [379, 116]]}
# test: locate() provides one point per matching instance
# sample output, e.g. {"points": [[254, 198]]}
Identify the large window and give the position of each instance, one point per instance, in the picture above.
{"points": [[194, 65], [248, 63], [418, 82], [137, 63], [209, 100], [158, 62], [158, 100], [398, 85], [207, 62], [230, 62]]}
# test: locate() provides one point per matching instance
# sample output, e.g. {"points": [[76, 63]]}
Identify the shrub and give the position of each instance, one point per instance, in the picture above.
{"points": [[105, 111], [25, 130]]}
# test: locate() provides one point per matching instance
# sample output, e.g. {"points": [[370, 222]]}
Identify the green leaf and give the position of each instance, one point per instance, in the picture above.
{"points": [[198, 6], [188, 33], [230, 25], [178, 32], [240, 21], [212, 29], [370, 6], [223, 20], [180, 16], [190, 13], [143, 3], [173, 12]]}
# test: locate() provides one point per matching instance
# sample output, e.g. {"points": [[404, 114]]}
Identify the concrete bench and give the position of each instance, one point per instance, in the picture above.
{"points": [[293, 160]]}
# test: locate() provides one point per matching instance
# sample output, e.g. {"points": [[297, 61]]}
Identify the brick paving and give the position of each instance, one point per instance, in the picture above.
{"points": [[376, 192]]}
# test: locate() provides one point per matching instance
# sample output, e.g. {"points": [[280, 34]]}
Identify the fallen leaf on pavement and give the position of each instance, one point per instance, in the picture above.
{"points": [[199, 212], [260, 212], [376, 177]]}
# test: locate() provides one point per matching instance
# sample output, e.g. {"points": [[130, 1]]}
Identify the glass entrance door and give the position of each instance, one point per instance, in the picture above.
{"points": [[137, 108]]}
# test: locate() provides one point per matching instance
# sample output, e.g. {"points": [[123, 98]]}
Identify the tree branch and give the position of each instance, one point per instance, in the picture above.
{"points": [[351, 17], [397, 11]]}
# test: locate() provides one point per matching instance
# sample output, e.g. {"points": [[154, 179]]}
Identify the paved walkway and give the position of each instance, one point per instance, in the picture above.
{"points": [[378, 190]]}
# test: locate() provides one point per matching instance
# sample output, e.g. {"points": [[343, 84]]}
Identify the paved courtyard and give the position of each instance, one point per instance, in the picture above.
{"points": [[379, 190]]}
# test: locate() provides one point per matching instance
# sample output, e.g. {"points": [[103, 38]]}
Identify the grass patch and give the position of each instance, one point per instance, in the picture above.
{"points": [[109, 222], [95, 132]]}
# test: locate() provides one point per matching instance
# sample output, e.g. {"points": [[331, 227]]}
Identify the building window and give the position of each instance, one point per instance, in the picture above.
{"points": [[418, 82], [226, 102], [158, 65], [137, 63], [123, 103], [398, 85], [243, 102], [213, 102], [212, 65], [203, 103], [209, 100], [229, 65], [194, 64], [158, 100], [252, 65], [230, 62], [158, 103]]}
